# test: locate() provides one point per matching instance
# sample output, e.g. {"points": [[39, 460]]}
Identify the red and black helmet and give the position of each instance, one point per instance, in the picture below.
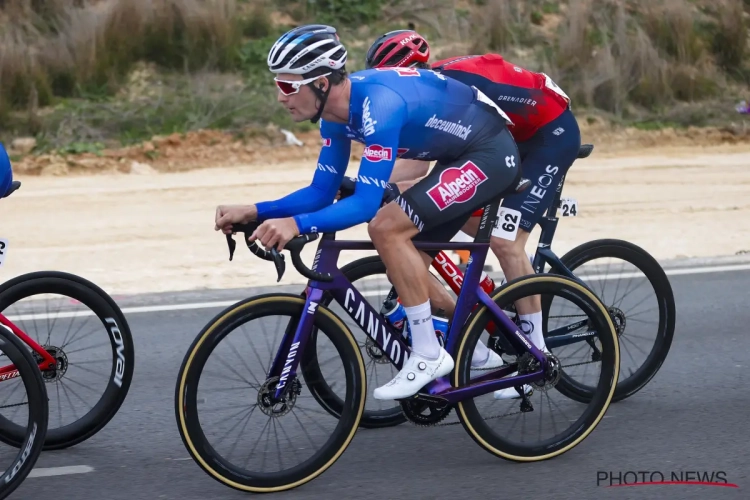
{"points": [[401, 48]]}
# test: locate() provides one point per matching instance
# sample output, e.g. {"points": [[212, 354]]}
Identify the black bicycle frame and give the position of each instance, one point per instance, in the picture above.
{"points": [[544, 255]]}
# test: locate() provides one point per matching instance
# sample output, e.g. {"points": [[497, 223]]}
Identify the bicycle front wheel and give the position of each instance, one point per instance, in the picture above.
{"points": [[226, 345], [86, 333], [21, 372]]}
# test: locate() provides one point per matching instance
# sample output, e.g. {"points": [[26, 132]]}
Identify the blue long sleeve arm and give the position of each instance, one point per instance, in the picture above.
{"points": [[383, 114], [332, 163]]}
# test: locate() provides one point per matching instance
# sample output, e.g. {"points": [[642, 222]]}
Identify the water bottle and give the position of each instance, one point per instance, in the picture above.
{"points": [[486, 283], [395, 314], [441, 326]]}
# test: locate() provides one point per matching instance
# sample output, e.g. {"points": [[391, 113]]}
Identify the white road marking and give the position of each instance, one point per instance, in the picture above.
{"points": [[227, 303], [60, 471], [670, 272]]}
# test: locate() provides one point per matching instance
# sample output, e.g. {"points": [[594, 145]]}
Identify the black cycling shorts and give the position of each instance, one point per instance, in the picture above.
{"points": [[441, 203], [545, 158]]}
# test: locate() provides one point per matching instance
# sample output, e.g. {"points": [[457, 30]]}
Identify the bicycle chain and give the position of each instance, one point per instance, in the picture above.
{"points": [[456, 423], [489, 418], [11, 406]]}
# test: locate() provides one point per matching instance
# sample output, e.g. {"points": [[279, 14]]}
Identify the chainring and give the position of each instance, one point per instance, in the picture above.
{"points": [[424, 413]]}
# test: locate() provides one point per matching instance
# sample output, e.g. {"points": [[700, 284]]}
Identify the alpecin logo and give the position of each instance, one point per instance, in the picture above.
{"points": [[376, 153], [456, 185]]}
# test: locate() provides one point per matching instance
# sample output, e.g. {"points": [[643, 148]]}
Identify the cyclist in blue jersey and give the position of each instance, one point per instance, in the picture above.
{"points": [[6, 173], [404, 113]]}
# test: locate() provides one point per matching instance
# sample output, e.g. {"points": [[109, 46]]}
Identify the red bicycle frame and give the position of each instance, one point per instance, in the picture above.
{"points": [[10, 372]]}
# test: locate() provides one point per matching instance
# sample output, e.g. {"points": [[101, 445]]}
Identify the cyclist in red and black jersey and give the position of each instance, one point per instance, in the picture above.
{"points": [[543, 127]]}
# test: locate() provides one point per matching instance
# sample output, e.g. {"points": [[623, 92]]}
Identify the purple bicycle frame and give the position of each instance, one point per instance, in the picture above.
{"points": [[386, 338]]}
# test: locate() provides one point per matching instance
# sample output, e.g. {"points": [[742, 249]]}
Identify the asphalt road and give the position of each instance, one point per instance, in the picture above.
{"points": [[692, 417]]}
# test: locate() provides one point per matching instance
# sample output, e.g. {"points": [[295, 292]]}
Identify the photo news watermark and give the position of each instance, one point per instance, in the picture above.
{"points": [[655, 478]]}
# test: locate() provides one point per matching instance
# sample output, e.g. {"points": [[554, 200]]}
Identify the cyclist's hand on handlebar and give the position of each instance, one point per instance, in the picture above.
{"points": [[275, 232], [226, 215]]}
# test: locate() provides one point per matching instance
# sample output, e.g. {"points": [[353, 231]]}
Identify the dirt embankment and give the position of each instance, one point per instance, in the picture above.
{"points": [[677, 194], [210, 148]]}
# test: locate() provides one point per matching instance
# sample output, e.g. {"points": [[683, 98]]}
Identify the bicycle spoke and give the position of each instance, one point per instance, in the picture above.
{"points": [[633, 315], [235, 372], [247, 420], [256, 443], [633, 344], [78, 365], [245, 408], [90, 347], [77, 331], [77, 383], [72, 406]]}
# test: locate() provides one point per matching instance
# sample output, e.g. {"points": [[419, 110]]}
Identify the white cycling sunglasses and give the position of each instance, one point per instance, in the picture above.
{"points": [[288, 87]]}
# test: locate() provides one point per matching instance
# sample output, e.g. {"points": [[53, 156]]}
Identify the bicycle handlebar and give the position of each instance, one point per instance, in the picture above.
{"points": [[294, 246]]}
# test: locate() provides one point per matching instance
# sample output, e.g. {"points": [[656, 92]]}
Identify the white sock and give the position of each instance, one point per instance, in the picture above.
{"points": [[481, 353], [423, 339], [531, 325]]}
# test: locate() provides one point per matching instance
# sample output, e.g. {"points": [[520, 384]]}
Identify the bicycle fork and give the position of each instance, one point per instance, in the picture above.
{"points": [[294, 342]]}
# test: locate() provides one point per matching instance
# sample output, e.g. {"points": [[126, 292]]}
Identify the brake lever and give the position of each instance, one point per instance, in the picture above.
{"points": [[232, 245], [278, 260]]}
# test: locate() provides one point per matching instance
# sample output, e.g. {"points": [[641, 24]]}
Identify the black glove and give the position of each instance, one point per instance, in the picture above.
{"points": [[348, 184]]}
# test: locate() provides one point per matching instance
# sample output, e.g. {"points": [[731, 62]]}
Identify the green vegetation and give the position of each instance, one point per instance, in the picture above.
{"points": [[82, 75]]}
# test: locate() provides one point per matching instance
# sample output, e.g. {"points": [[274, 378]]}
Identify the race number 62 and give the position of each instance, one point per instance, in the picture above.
{"points": [[507, 224]]}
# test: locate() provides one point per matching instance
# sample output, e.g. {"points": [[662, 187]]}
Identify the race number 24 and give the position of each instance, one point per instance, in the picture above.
{"points": [[569, 207]]}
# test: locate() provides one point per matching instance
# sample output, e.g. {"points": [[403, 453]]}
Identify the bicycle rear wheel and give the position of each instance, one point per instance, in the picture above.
{"points": [[86, 332], [561, 435], [645, 329], [22, 372]]}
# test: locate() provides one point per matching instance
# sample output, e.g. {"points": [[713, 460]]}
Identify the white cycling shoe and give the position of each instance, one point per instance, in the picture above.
{"points": [[416, 373], [511, 392], [493, 362]]}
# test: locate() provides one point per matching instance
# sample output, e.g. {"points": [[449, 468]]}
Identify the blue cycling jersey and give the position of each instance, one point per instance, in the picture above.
{"points": [[6, 172], [394, 112]]}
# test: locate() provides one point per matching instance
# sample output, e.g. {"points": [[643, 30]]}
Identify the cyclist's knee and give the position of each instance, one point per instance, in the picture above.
{"points": [[404, 185], [390, 222], [471, 226], [506, 248]]}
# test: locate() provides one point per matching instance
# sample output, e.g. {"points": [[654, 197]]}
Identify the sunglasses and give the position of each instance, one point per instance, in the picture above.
{"points": [[292, 87]]}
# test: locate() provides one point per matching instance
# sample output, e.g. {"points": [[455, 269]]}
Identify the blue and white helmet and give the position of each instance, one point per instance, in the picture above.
{"points": [[305, 49]]}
